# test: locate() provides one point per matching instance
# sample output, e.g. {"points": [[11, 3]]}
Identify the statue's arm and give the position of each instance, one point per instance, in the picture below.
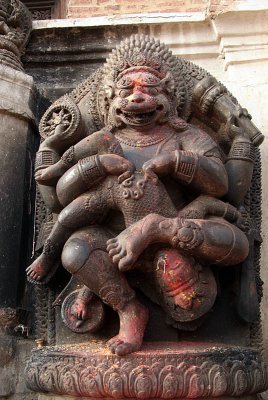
{"points": [[239, 164], [232, 179], [98, 142], [205, 174]]}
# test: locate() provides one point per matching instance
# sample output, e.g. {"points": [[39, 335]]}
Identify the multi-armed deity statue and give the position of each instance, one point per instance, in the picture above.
{"points": [[145, 168]]}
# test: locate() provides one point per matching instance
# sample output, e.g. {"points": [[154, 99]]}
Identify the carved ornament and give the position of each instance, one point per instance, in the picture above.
{"points": [[15, 27], [155, 372]]}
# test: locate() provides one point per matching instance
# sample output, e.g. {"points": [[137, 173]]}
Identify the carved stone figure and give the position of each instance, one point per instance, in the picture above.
{"points": [[133, 185], [15, 26]]}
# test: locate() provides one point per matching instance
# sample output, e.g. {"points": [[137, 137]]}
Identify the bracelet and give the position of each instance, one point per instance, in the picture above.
{"points": [[211, 96], [186, 165], [68, 157], [90, 169], [45, 158], [242, 150]]}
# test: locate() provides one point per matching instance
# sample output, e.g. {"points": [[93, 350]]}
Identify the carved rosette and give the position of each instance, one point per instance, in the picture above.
{"points": [[61, 120], [162, 370]]}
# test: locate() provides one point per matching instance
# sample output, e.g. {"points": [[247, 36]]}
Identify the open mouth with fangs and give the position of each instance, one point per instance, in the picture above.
{"points": [[138, 117]]}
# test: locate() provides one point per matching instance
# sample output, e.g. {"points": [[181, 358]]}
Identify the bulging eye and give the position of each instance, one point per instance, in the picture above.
{"points": [[125, 92], [153, 91]]}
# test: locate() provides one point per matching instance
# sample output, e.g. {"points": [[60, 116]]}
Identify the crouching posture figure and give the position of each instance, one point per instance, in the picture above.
{"points": [[163, 177]]}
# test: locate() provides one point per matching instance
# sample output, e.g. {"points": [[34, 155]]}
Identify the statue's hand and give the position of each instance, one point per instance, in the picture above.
{"points": [[233, 129], [160, 165], [117, 165]]}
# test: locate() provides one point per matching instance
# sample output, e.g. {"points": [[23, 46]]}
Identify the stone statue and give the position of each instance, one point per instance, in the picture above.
{"points": [[165, 177], [145, 170]]}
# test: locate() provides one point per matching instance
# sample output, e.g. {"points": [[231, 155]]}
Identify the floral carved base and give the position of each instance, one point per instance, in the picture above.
{"points": [[160, 370]]}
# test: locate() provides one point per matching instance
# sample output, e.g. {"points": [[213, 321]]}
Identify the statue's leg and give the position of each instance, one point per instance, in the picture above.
{"points": [[215, 240], [87, 209], [84, 256]]}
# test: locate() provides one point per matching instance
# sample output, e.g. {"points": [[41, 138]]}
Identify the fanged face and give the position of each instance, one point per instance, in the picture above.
{"points": [[139, 100]]}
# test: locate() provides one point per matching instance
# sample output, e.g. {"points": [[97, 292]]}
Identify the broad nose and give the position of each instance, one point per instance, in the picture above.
{"points": [[137, 97]]}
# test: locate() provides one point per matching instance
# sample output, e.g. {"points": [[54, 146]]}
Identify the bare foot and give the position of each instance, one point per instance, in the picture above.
{"points": [[50, 175], [40, 269], [133, 320], [128, 246]]}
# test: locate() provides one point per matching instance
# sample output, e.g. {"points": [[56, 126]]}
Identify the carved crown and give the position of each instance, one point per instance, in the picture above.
{"points": [[138, 51]]}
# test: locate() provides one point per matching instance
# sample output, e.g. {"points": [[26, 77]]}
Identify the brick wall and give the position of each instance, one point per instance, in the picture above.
{"points": [[219, 6], [88, 8]]}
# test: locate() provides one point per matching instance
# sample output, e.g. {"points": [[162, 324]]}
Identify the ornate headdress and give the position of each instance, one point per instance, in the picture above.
{"points": [[140, 51]]}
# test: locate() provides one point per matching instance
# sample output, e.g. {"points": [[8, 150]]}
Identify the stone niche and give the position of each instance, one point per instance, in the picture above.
{"points": [[216, 354]]}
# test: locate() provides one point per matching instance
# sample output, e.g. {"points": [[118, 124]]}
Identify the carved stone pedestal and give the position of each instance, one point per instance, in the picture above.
{"points": [[159, 370]]}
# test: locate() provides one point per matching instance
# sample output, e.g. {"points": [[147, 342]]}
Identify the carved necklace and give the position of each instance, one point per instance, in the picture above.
{"points": [[145, 141]]}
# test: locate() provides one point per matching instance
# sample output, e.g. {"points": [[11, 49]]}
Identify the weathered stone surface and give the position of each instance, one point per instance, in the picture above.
{"points": [[7, 386], [7, 349], [163, 370], [60, 59], [16, 146]]}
